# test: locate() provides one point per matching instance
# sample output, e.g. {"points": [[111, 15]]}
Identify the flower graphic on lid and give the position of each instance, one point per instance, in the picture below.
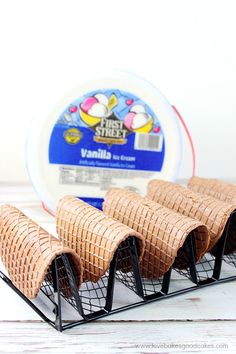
{"points": [[138, 120], [93, 108]]}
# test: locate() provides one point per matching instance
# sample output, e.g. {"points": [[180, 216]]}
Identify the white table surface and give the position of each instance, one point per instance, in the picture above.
{"points": [[203, 321]]}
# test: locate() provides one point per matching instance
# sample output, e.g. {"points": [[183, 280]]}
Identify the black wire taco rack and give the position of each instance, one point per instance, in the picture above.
{"points": [[63, 306]]}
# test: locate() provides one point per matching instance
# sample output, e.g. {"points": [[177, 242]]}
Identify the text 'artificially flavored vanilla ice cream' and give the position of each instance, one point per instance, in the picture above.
{"points": [[114, 131]]}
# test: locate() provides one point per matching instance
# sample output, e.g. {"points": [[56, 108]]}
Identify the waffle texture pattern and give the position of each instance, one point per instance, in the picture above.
{"points": [[163, 229], [27, 251], [225, 192], [93, 235], [210, 211]]}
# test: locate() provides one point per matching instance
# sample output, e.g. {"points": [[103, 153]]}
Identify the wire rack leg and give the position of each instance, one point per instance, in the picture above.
{"points": [[111, 283], [190, 247], [73, 285], [166, 282], [220, 247], [134, 255], [57, 298]]}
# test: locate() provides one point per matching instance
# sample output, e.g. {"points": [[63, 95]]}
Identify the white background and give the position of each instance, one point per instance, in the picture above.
{"points": [[184, 47]]}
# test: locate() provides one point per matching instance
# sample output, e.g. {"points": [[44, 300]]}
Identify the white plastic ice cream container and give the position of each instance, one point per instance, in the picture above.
{"points": [[113, 131]]}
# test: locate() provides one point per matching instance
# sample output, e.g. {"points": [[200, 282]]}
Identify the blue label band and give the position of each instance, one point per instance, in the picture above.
{"points": [[95, 202], [108, 129]]}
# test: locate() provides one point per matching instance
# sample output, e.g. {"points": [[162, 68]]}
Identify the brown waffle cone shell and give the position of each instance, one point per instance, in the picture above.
{"points": [[27, 251], [210, 211], [94, 236], [225, 192], [164, 230], [215, 188]]}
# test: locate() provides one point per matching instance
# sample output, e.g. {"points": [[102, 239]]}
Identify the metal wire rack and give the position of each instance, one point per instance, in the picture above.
{"points": [[63, 306]]}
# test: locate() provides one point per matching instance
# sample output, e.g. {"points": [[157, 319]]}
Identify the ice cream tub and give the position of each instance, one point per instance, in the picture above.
{"points": [[117, 130]]}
